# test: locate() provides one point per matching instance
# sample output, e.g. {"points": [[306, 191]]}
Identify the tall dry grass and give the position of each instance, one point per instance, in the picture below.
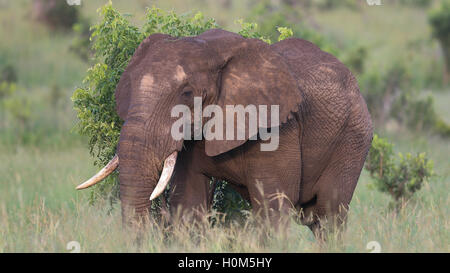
{"points": [[41, 212]]}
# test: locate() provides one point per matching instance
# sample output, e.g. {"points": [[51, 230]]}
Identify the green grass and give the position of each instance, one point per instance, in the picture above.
{"points": [[384, 29], [40, 211], [41, 56]]}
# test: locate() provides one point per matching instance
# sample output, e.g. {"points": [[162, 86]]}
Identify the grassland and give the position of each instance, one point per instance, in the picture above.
{"points": [[41, 212]]}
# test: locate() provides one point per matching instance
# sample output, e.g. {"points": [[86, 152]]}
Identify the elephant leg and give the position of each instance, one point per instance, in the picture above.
{"points": [[273, 177], [191, 190], [270, 204], [335, 186], [190, 195]]}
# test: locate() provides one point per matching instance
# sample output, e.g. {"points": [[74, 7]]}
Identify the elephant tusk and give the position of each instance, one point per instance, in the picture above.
{"points": [[102, 174], [169, 166]]}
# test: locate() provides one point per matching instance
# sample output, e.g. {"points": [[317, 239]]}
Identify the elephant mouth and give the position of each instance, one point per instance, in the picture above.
{"points": [[166, 174]]}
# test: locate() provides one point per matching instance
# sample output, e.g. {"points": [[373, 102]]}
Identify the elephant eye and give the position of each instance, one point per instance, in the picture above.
{"points": [[187, 94]]}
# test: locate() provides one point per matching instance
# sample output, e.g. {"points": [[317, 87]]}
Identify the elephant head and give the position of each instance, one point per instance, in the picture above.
{"points": [[221, 68]]}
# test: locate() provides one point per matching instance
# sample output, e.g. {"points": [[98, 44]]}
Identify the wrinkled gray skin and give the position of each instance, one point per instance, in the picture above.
{"points": [[325, 133]]}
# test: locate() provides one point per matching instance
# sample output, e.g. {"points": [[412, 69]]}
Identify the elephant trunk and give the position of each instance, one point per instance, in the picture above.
{"points": [[141, 163], [138, 171], [146, 157]]}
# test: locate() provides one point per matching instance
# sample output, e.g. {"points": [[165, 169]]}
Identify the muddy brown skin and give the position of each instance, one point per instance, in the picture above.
{"points": [[325, 133]]}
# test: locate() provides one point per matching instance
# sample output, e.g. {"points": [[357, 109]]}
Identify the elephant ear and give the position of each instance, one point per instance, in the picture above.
{"points": [[124, 87], [251, 73]]}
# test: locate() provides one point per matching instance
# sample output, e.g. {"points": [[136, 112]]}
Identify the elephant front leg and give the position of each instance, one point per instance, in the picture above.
{"points": [[191, 194], [271, 203]]}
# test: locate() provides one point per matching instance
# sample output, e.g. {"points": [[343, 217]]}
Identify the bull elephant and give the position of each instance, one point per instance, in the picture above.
{"points": [[325, 129]]}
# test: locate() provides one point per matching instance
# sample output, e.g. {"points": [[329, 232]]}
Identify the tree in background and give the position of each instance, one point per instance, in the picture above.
{"points": [[56, 14], [440, 22]]}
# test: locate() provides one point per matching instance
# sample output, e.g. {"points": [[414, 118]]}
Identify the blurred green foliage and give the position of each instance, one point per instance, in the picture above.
{"points": [[331, 4], [399, 176], [440, 22], [56, 14], [81, 44], [17, 107], [418, 114], [8, 73], [391, 94], [417, 3], [269, 17], [355, 59], [6, 89], [56, 95], [20, 109], [381, 88]]}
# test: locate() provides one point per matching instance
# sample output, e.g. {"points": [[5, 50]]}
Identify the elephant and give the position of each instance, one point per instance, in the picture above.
{"points": [[325, 129]]}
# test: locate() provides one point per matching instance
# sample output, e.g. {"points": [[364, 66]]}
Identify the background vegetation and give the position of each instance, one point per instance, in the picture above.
{"points": [[401, 71]]}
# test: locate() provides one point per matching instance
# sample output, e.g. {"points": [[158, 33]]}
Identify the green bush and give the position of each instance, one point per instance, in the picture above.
{"points": [[114, 41], [159, 21], [399, 176]]}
